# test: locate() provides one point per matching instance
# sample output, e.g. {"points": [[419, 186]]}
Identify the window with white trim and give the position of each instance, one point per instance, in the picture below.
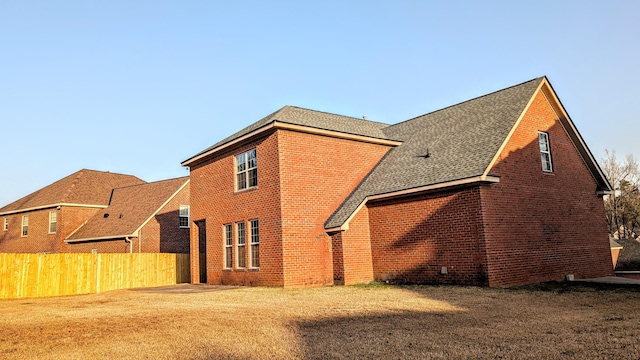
{"points": [[53, 221], [255, 244], [228, 246], [25, 225], [6, 224], [545, 152], [246, 170], [241, 251], [184, 216]]}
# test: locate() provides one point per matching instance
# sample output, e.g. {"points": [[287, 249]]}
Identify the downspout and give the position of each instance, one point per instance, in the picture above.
{"points": [[126, 239]]}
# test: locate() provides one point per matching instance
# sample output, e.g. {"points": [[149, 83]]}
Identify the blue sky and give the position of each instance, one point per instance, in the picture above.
{"points": [[136, 87]]}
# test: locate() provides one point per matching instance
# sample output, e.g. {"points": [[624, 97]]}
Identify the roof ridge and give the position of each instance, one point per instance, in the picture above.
{"points": [[466, 101], [330, 113], [152, 182]]}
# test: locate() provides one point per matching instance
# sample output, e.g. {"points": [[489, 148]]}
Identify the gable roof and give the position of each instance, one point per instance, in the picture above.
{"points": [[463, 141], [85, 187], [299, 119], [130, 209], [629, 257]]}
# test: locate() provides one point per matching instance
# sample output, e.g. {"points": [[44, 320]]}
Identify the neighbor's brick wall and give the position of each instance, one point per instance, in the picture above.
{"points": [[38, 238], [352, 262], [162, 234], [539, 226], [214, 199], [317, 173], [413, 238]]}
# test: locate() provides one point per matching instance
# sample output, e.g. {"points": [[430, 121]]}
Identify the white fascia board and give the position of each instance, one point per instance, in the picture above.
{"points": [[114, 237], [41, 207]]}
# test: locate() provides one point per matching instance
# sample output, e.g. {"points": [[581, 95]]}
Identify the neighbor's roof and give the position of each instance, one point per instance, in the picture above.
{"points": [[461, 140], [629, 258], [130, 208], [85, 187], [309, 119]]}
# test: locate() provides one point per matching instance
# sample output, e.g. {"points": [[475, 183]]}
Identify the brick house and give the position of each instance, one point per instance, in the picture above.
{"points": [[95, 211], [499, 190]]}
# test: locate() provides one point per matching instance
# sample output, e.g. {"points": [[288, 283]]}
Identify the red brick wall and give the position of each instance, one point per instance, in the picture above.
{"points": [[413, 238], [540, 226], [316, 174], [162, 234], [38, 238], [214, 199], [352, 262]]}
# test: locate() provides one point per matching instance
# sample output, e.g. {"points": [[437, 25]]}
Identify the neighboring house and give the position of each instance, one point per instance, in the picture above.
{"points": [[45, 221], [499, 190], [615, 250], [628, 264]]}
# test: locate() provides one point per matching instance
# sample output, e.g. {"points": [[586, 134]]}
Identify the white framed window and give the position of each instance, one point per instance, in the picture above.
{"points": [[246, 170], [241, 249], [25, 225], [53, 222], [6, 224], [184, 216], [255, 244], [94, 251], [545, 152], [228, 246]]}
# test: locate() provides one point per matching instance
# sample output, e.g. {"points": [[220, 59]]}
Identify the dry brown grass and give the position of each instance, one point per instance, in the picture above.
{"points": [[333, 322]]}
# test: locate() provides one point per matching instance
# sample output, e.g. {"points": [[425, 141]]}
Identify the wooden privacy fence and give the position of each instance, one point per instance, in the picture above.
{"points": [[40, 275]]}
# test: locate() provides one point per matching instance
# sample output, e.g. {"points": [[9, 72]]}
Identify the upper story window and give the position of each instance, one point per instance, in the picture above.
{"points": [[184, 216], [53, 221], [246, 170], [6, 223], [25, 225], [545, 152]]}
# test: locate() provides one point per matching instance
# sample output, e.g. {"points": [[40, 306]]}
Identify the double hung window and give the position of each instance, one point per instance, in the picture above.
{"points": [[246, 170], [545, 152]]}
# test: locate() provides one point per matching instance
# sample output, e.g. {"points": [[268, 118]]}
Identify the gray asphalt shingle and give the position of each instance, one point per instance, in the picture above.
{"points": [[311, 118], [462, 140]]}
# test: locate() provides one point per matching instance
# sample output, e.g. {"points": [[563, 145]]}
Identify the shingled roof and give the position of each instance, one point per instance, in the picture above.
{"points": [[629, 257], [84, 187], [306, 118], [131, 208], [461, 141]]}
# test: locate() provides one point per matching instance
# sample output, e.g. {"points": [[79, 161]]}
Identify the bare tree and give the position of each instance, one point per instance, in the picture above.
{"points": [[623, 206]]}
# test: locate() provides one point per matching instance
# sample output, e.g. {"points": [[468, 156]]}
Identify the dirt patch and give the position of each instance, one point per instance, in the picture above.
{"points": [[441, 322]]}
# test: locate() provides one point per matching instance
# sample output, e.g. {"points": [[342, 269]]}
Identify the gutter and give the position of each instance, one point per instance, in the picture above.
{"points": [[51, 206]]}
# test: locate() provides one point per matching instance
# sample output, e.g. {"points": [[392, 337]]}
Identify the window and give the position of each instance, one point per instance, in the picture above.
{"points": [[184, 216], [545, 152], [241, 253], [246, 170], [228, 246], [255, 244], [53, 220], [6, 224], [25, 225], [94, 251]]}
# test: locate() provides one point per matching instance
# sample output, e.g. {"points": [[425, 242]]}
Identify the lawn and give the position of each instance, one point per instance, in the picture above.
{"points": [[376, 321]]}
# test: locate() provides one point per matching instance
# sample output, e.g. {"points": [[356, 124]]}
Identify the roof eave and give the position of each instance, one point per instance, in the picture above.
{"points": [[99, 238], [280, 125], [49, 206], [476, 180]]}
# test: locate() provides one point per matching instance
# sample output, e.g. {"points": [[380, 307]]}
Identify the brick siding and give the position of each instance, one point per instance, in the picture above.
{"points": [[542, 226]]}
